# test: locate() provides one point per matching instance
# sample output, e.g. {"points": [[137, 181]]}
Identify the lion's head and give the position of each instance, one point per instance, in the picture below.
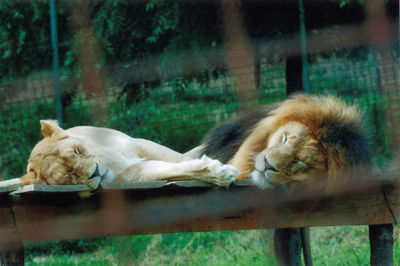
{"points": [[61, 158], [304, 138], [291, 154]]}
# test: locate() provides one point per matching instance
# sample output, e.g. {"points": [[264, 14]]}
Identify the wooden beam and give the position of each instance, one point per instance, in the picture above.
{"points": [[11, 247], [8, 186], [8, 230], [115, 212]]}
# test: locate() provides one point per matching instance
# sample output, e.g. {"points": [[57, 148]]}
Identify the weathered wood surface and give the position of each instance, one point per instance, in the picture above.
{"points": [[34, 189], [8, 229], [9, 185], [116, 211], [15, 189], [11, 247]]}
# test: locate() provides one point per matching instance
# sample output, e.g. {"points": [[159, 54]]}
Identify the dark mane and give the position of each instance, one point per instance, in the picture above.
{"points": [[223, 141]]}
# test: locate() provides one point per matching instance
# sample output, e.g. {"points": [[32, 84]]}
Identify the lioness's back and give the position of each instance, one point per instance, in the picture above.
{"points": [[101, 136]]}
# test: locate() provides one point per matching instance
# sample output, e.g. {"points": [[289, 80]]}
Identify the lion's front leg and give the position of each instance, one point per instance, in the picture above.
{"points": [[204, 169]]}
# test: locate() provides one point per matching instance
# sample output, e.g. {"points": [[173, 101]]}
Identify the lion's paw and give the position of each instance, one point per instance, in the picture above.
{"points": [[260, 180], [220, 174]]}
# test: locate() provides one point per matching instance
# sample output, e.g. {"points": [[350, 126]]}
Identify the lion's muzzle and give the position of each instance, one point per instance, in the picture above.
{"points": [[96, 172]]}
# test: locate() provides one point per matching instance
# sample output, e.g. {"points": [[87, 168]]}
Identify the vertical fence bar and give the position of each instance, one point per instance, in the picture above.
{"points": [[56, 63], [288, 242], [303, 41]]}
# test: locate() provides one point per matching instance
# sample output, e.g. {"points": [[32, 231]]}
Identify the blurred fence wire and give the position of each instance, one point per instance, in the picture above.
{"points": [[173, 90]]}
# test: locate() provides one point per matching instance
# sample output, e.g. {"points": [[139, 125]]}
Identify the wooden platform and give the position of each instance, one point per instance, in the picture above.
{"points": [[38, 212]]}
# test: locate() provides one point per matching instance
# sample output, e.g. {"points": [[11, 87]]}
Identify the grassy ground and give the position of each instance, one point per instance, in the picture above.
{"points": [[340, 245]]}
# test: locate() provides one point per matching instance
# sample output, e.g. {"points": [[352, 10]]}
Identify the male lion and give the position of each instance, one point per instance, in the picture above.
{"points": [[305, 138], [86, 155]]}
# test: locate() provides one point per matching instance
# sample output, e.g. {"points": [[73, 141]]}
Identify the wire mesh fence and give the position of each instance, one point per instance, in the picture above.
{"points": [[174, 98]]}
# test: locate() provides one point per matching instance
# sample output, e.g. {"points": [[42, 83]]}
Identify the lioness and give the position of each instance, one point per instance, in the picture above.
{"points": [[298, 141], [87, 155]]}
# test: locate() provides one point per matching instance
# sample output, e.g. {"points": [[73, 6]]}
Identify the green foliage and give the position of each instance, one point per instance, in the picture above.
{"points": [[126, 31], [67, 247], [20, 131], [20, 21], [193, 109], [132, 30], [339, 245], [212, 248], [348, 80]]}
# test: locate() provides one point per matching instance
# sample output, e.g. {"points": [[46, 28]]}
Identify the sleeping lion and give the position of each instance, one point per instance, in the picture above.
{"points": [[304, 139], [87, 155]]}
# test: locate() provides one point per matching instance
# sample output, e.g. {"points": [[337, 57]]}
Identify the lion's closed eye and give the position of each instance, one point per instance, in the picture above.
{"points": [[284, 138], [78, 150]]}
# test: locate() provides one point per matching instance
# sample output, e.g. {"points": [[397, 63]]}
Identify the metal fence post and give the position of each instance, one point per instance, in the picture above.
{"points": [[56, 63], [303, 41]]}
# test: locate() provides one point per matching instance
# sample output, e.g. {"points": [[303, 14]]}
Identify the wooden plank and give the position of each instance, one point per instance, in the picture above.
{"points": [[392, 195], [357, 209], [15, 188], [11, 247], [168, 210], [133, 185], [34, 189], [154, 184], [159, 184], [8, 230], [9, 185]]}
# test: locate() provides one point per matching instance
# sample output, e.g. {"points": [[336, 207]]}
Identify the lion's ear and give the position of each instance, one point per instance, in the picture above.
{"points": [[50, 128]]}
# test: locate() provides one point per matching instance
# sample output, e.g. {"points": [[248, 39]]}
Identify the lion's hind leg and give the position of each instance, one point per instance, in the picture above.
{"points": [[204, 169]]}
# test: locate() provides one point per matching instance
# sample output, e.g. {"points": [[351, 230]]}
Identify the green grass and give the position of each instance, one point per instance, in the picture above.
{"points": [[339, 245], [211, 248]]}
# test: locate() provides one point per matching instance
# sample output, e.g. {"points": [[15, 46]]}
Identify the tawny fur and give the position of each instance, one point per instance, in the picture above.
{"points": [[86, 155], [335, 140]]}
